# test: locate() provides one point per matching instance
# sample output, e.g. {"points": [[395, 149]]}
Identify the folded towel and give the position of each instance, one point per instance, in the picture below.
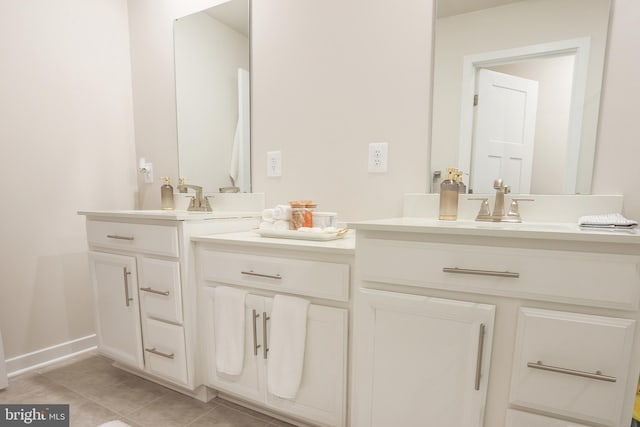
{"points": [[266, 224], [287, 334], [228, 328], [281, 225], [606, 221]]}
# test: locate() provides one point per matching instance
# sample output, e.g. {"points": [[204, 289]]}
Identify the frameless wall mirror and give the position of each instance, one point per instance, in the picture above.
{"points": [[212, 59], [516, 92]]}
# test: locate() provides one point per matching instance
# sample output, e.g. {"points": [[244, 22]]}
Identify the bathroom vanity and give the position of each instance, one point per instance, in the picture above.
{"points": [[479, 324], [318, 271], [142, 270]]}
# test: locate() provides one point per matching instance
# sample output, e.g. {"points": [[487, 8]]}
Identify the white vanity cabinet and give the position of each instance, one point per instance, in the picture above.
{"points": [[316, 271], [141, 270], [420, 360], [563, 349]]}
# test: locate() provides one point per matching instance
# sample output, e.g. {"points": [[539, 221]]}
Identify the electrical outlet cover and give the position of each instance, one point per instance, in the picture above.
{"points": [[274, 163], [378, 157]]}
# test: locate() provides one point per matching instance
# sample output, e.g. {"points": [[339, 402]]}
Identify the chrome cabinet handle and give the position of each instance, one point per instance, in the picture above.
{"points": [[127, 299], [268, 276], [594, 376], [479, 356], [115, 236], [256, 346], [159, 353], [481, 272], [153, 291], [265, 349]]}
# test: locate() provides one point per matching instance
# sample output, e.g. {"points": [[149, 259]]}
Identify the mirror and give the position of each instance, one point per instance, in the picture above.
{"points": [[212, 64], [539, 140]]}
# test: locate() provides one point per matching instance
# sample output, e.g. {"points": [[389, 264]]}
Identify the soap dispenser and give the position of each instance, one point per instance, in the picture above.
{"points": [[449, 197], [166, 194]]}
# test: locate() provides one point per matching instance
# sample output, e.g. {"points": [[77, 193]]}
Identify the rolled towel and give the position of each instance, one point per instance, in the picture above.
{"points": [[282, 212], [286, 346], [266, 225], [267, 214]]}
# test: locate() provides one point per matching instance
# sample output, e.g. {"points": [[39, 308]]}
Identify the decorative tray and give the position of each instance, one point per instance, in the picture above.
{"points": [[303, 235]]}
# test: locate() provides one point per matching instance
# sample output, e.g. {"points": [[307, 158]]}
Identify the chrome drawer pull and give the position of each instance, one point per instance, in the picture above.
{"points": [[268, 276], [265, 349], [127, 299], [597, 376], [481, 272], [256, 346], [159, 353], [115, 236], [153, 291], [479, 356]]}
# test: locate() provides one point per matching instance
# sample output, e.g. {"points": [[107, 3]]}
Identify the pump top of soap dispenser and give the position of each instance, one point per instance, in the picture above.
{"points": [[167, 180]]}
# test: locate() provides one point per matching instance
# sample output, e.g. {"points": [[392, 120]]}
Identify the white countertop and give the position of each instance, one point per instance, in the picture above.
{"points": [[169, 215], [345, 245], [531, 230]]}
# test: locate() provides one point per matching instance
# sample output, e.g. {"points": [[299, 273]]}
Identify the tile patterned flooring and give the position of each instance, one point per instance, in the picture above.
{"points": [[97, 392]]}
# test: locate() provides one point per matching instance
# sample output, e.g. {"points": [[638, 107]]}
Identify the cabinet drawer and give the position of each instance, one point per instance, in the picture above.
{"points": [[594, 279], [318, 279], [160, 290], [164, 350], [520, 419], [154, 239], [572, 364]]}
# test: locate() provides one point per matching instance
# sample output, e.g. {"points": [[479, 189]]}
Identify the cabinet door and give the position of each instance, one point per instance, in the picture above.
{"points": [[419, 361], [114, 280], [322, 393], [250, 384]]}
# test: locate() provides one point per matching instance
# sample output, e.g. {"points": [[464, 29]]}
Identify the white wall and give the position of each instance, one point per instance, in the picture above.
{"points": [[66, 144], [330, 77]]}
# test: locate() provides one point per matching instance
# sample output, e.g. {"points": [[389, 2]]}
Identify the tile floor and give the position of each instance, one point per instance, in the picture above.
{"points": [[97, 392]]}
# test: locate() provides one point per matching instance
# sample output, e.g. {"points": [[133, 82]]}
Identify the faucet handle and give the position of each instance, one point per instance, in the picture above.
{"points": [[514, 208], [484, 207]]}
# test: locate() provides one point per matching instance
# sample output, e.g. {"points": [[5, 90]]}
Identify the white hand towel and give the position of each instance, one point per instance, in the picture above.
{"points": [[281, 225], [286, 345], [228, 328]]}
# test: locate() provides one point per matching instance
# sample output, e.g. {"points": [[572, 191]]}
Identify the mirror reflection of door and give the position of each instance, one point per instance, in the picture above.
{"points": [[504, 131], [555, 116]]}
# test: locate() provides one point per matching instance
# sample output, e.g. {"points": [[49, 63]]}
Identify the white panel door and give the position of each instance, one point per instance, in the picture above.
{"points": [[115, 289], [420, 361], [504, 132], [322, 394], [250, 384]]}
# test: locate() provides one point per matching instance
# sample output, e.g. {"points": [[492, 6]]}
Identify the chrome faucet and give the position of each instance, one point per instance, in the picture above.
{"points": [[498, 214], [198, 202]]}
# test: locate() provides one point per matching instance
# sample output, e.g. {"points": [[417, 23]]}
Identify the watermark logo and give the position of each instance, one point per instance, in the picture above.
{"points": [[34, 415]]}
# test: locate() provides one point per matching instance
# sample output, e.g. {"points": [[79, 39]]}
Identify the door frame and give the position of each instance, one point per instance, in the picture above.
{"points": [[580, 47]]}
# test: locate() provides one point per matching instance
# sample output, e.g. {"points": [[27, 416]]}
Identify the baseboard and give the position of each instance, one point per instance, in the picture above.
{"points": [[46, 356]]}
